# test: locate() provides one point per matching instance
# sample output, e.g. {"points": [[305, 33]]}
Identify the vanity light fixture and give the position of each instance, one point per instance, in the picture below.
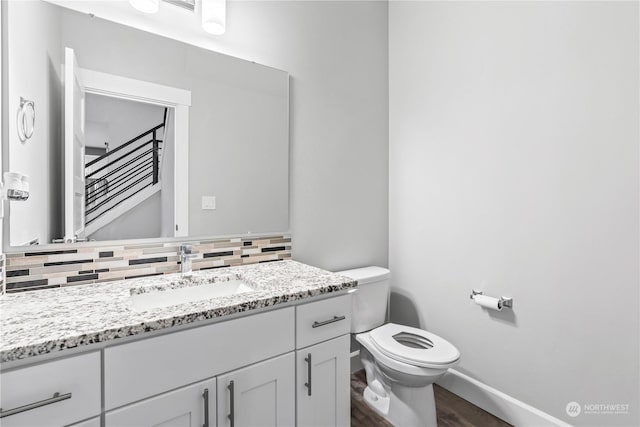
{"points": [[214, 12], [214, 16], [146, 6]]}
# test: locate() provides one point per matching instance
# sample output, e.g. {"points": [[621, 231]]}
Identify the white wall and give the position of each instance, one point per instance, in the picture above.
{"points": [[38, 79], [514, 136]]}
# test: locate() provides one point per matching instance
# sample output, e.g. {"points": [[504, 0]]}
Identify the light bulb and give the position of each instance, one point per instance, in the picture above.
{"points": [[214, 16], [146, 6]]}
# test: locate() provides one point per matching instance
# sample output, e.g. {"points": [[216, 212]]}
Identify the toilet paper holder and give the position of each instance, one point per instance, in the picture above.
{"points": [[504, 301]]}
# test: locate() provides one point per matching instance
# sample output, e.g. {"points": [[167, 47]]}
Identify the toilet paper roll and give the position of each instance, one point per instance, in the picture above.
{"points": [[488, 302]]}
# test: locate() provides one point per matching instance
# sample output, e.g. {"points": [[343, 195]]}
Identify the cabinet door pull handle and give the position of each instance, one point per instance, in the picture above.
{"points": [[57, 397], [231, 415], [308, 384], [205, 397], [326, 322]]}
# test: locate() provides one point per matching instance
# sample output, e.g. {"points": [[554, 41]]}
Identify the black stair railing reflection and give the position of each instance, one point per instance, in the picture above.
{"points": [[121, 173]]}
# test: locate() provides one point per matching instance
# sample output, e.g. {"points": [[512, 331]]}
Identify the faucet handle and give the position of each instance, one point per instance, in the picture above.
{"points": [[186, 249]]}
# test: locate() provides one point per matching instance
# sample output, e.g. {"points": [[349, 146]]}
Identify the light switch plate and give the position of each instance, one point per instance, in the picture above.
{"points": [[208, 203]]}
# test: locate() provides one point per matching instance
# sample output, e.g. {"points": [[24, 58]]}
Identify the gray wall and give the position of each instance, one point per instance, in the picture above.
{"points": [[336, 53], [118, 121], [34, 63], [514, 170], [125, 119], [141, 222], [238, 117]]}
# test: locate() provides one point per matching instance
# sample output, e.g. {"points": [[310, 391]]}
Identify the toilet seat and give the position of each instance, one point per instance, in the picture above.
{"points": [[413, 346]]}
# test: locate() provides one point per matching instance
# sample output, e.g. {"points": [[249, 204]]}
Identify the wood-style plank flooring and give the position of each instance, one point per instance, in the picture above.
{"points": [[451, 410]]}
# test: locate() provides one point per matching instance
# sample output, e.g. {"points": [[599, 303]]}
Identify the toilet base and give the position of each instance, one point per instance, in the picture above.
{"points": [[405, 406], [375, 402]]}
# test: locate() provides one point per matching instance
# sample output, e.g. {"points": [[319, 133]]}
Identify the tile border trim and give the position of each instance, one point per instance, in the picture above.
{"points": [[34, 269]]}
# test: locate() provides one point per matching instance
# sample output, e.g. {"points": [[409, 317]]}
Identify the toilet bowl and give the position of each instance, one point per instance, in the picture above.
{"points": [[401, 362]]}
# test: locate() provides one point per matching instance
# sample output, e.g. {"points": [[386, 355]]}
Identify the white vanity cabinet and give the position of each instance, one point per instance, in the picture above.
{"points": [[243, 371], [191, 406], [259, 395], [151, 366], [323, 380], [56, 393]]}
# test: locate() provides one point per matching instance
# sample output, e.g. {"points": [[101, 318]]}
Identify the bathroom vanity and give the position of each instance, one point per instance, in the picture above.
{"points": [[277, 354]]}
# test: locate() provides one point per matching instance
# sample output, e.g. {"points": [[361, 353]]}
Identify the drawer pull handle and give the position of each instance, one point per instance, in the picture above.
{"points": [[231, 415], [308, 384], [205, 397], [57, 397], [326, 322]]}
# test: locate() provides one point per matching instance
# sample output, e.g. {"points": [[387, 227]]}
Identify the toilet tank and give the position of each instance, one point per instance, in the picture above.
{"points": [[369, 301]]}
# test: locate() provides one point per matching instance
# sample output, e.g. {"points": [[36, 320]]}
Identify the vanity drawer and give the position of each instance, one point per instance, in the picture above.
{"points": [[151, 366], [76, 380], [323, 320]]}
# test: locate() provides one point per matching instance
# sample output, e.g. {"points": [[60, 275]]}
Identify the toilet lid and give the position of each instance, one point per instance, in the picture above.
{"points": [[413, 346]]}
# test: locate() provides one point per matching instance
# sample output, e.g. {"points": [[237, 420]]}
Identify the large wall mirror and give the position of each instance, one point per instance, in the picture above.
{"points": [[137, 136]]}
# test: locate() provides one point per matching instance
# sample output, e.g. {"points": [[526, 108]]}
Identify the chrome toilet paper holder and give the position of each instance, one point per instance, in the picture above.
{"points": [[503, 301]]}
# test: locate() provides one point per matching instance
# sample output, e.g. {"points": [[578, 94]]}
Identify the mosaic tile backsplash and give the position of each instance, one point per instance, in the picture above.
{"points": [[32, 270]]}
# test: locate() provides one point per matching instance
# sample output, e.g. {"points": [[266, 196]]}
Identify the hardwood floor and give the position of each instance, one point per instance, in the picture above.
{"points": [[361, 414], [451, 410]]}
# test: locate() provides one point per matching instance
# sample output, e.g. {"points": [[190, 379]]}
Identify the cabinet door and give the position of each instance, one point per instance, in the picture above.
{"points": [[323, 390], [258, 395], [191, 406]]}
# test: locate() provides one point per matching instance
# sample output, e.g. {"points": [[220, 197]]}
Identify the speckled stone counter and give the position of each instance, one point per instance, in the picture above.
{"points": [[46, 321]]}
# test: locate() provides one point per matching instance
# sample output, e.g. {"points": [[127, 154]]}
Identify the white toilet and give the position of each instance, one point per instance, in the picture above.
{"points": [[401, 362]]}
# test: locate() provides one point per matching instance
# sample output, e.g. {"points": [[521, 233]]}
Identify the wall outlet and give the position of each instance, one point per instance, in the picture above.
{"points": [[208, 203]]}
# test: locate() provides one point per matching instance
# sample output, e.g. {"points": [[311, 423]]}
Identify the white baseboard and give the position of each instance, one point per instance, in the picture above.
{"points": [[496, 402]]}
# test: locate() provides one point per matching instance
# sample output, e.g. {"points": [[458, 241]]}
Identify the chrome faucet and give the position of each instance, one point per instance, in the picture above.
{"points": [[186, 256]]}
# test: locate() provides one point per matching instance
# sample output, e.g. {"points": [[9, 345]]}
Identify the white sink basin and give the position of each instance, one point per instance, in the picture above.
{"points": [[167, 297]]}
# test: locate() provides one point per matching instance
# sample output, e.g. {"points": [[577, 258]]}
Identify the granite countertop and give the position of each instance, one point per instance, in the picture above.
{"points": [[51, 320]]}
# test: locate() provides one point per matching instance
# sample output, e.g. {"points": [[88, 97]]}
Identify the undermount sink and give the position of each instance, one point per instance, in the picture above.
{"points": [[185, 291]]}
